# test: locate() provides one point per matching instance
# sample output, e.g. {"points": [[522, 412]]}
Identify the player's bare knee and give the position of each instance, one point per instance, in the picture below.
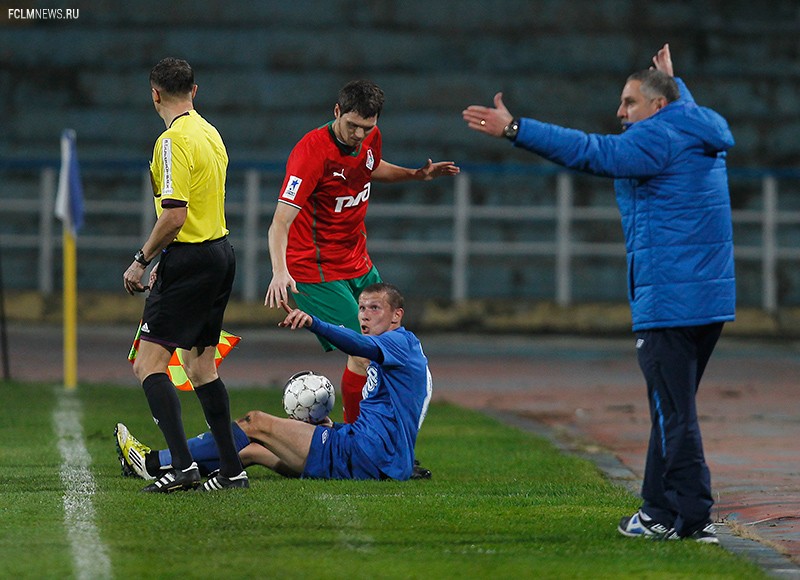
{"points": [[191, 374], [139, 371], [256, 424]]}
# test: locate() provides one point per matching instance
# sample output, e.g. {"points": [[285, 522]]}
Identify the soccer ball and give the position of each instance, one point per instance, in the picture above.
{"points": [[308, 397]]}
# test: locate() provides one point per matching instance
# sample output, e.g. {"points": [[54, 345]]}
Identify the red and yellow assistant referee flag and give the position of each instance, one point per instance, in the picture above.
{"points": [[175, 369]]}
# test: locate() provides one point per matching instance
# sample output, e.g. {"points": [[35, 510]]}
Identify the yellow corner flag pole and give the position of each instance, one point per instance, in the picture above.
{"points": [[69, 208], [70, 310]]}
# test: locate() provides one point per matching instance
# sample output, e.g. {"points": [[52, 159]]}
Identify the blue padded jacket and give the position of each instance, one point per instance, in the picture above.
{"points": [[672, 191]]}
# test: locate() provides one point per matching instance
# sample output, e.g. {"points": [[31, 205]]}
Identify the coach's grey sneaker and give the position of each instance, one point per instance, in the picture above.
{"points": [[219, 481], [176, 480], [706, 535], [131, 453], [639, 525]]}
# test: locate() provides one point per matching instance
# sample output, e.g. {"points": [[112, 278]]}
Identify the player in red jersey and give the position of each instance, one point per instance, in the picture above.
{"points": [[317, 240]]}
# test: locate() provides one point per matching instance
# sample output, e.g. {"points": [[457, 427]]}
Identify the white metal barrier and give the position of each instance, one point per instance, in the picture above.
{"points": [[464, 214]]}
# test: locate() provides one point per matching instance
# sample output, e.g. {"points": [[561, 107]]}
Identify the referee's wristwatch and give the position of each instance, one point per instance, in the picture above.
{"points": [[139, 257], [510, 131]]}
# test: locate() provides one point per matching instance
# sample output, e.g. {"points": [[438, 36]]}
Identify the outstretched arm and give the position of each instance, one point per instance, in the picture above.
{"points": [[346, 340], [391, 173], [488, 120]]}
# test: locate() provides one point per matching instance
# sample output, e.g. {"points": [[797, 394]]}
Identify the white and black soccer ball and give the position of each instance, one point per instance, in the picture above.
{"points": [[308, 397]]}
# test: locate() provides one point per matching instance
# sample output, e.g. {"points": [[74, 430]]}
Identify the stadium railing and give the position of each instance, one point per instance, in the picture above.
{"points": [[257, 203]]}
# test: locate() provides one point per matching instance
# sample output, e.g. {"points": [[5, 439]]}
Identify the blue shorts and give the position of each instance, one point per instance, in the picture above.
{"points": [[335, 455]]}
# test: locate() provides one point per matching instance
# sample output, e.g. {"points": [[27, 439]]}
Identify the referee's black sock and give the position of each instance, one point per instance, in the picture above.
{"points": [[152, 464], [166, 409], [213, 397]]}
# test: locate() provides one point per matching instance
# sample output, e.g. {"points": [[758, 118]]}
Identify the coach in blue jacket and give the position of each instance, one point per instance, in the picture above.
{"points": [[672, 191]]}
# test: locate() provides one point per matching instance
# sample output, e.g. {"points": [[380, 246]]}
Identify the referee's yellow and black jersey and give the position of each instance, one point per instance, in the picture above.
{"points": [[188, 168]]}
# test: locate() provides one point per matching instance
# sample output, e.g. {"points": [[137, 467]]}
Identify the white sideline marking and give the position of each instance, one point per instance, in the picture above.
{"points": [[344, 515], [89, 554]]}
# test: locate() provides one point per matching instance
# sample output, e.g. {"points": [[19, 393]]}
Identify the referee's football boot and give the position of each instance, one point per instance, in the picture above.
{"points": [[176, 480], [640, 525], [131, 453], [217, 481], [419, 472]]}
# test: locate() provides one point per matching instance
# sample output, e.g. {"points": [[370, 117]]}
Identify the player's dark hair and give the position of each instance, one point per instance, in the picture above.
{"points": [[393, 296], [657, 84], [173, 76], [362, 97]]}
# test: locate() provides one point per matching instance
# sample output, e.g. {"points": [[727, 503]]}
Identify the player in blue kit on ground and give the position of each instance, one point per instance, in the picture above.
{"points": [[378, 445]]}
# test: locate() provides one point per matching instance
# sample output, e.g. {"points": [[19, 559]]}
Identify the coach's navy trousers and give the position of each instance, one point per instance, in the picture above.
{"points": [[677, 484]]}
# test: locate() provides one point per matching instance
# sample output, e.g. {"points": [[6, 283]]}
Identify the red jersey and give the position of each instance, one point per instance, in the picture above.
{"points": [[330, 185]]}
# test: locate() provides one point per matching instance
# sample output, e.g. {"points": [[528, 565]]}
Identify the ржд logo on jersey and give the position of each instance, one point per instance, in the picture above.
{"points": [[350, 201]]}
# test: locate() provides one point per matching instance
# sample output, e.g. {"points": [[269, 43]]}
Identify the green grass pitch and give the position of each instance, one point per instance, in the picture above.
{"points": [[501, 504]]}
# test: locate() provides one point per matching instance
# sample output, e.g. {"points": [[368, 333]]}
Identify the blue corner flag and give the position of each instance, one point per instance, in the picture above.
{"points": [[69, 200]]}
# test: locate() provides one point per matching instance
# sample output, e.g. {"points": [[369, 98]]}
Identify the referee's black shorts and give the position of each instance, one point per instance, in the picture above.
{"points": [[187, 303]]}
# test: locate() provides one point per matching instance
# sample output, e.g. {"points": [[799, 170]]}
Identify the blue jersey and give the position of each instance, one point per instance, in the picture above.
{"points": [[394, 403], [395, 398], [671, 181]]}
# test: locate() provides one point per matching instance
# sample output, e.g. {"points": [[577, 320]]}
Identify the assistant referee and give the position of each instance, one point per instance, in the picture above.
{"points": [[191, 284]]}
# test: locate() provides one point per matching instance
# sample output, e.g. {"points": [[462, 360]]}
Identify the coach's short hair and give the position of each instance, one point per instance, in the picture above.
{"points": [[657, 84], [362, 97], [173, 76], [393, 296]]}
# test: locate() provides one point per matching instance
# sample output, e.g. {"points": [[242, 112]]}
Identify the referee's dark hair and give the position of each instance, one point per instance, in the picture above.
{"points": [[362, 97], [173, 76]]}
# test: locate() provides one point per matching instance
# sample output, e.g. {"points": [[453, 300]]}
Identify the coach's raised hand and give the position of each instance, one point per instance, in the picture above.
{"points": [[488, 120]]}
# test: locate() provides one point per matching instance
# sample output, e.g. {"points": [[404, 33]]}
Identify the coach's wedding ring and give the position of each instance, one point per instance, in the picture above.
{"points": [[483, 122]]}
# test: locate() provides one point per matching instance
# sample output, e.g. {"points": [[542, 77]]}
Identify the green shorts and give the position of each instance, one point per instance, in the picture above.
{"points": [[335, 302]]}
